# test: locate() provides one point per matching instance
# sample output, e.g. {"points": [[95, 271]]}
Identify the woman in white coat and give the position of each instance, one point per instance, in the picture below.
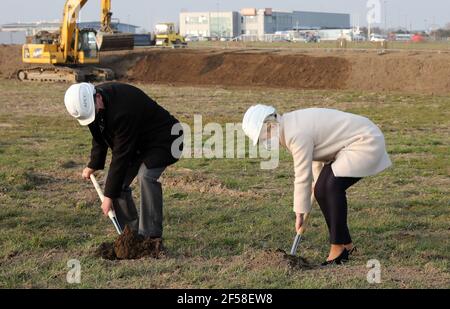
{"points": [[332, 150]]}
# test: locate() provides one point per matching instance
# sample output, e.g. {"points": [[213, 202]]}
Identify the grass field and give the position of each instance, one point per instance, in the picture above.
{"points": [[223, 214]]}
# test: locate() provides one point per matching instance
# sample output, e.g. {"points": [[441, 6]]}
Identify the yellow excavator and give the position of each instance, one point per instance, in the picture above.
{"points": [[71, 54]]}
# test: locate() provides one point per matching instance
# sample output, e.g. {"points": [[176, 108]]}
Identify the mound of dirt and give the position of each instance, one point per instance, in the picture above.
{"points": [[411, 72], [10, 60], [129, 246], [399, 71], [241, 68]]}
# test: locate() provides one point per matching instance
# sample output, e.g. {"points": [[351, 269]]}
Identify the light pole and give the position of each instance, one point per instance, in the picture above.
{"points": [[218, 21], [406, 22], [385, 17]]}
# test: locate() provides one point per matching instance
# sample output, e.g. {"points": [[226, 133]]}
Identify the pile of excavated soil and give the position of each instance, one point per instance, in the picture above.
{"points": [[10, 60], [130, 246], [411, 72], [242, 69], [405, 71]]}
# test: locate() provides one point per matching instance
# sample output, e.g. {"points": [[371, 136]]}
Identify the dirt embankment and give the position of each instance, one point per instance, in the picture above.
{"points": [[10, 60], [413, 72], [242, 69]]}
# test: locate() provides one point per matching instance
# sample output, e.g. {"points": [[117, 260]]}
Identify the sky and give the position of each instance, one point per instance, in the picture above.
{"points": [[415, 14]]}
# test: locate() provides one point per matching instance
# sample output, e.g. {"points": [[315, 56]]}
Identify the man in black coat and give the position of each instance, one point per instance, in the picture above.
{"points": [[144, 139]]}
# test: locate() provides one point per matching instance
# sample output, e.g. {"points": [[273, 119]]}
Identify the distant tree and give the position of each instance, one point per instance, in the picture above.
{"points": [[401, 31], [441, 34], [447, 26], [376, 30]]}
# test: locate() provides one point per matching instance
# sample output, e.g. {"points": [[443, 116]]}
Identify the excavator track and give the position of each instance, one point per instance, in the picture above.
{"points": [[64, 74]]}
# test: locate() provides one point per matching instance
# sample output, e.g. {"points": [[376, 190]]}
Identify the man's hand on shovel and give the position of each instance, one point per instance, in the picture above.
{"points": [[87, 172], [107, 205]]}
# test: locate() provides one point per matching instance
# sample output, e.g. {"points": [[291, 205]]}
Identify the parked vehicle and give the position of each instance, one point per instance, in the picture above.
{"points": [[166, 35], [359, 38], [192, 38], [403, 37], [377, 38], [312, 38], [418, 38]]}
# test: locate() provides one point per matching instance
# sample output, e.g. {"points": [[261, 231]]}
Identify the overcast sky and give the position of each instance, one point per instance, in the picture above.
{"points": [[419, 14]]}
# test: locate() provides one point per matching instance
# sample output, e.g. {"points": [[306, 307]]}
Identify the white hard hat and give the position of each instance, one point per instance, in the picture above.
{"points": [[79, 101], [254, 120]]}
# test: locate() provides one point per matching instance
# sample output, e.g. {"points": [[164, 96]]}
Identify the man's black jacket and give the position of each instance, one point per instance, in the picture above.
{"points": [[136, 128]]}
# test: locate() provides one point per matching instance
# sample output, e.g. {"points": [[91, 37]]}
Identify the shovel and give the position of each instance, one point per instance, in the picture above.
{"points": [[111, 213], [298, 237]]}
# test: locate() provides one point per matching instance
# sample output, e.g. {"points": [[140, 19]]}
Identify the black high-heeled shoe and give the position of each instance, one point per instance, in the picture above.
{"points": [[339, 260]]}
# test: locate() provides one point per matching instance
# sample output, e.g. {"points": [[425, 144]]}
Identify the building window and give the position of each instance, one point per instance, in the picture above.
{"points": [[250, 19], [221, 27], [196, 20]]}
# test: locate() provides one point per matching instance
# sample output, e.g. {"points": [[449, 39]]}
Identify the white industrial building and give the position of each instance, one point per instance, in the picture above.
{"points": [[210, 24], [257, 22]]}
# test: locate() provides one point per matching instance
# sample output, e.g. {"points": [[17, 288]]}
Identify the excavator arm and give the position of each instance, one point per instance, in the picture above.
{"points": [[106, 16], [107, 38], [69, 29]]}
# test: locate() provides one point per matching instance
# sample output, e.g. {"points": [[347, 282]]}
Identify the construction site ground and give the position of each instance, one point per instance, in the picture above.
{"points": [[225, 220]]}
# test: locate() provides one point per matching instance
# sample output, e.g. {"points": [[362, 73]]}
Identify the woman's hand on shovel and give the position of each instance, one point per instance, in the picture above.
{"points": [[107, 205], [298, 222]]}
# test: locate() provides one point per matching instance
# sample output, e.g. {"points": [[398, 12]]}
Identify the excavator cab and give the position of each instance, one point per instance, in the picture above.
{"points": [[87, 46]]}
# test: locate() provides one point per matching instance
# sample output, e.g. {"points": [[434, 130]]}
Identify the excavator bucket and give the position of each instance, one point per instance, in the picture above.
{"points": [[115, 41]]}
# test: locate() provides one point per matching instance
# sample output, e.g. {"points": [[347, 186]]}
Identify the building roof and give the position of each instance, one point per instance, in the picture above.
{"points": [[96, 24], [19, 26]]}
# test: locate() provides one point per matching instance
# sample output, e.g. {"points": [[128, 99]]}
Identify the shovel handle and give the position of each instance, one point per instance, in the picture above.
{"points": [[111, 213], [97, 188]]}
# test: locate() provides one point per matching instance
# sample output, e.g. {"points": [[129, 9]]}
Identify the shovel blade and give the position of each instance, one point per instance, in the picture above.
{"points": [[117, 225], [297, 240]]}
